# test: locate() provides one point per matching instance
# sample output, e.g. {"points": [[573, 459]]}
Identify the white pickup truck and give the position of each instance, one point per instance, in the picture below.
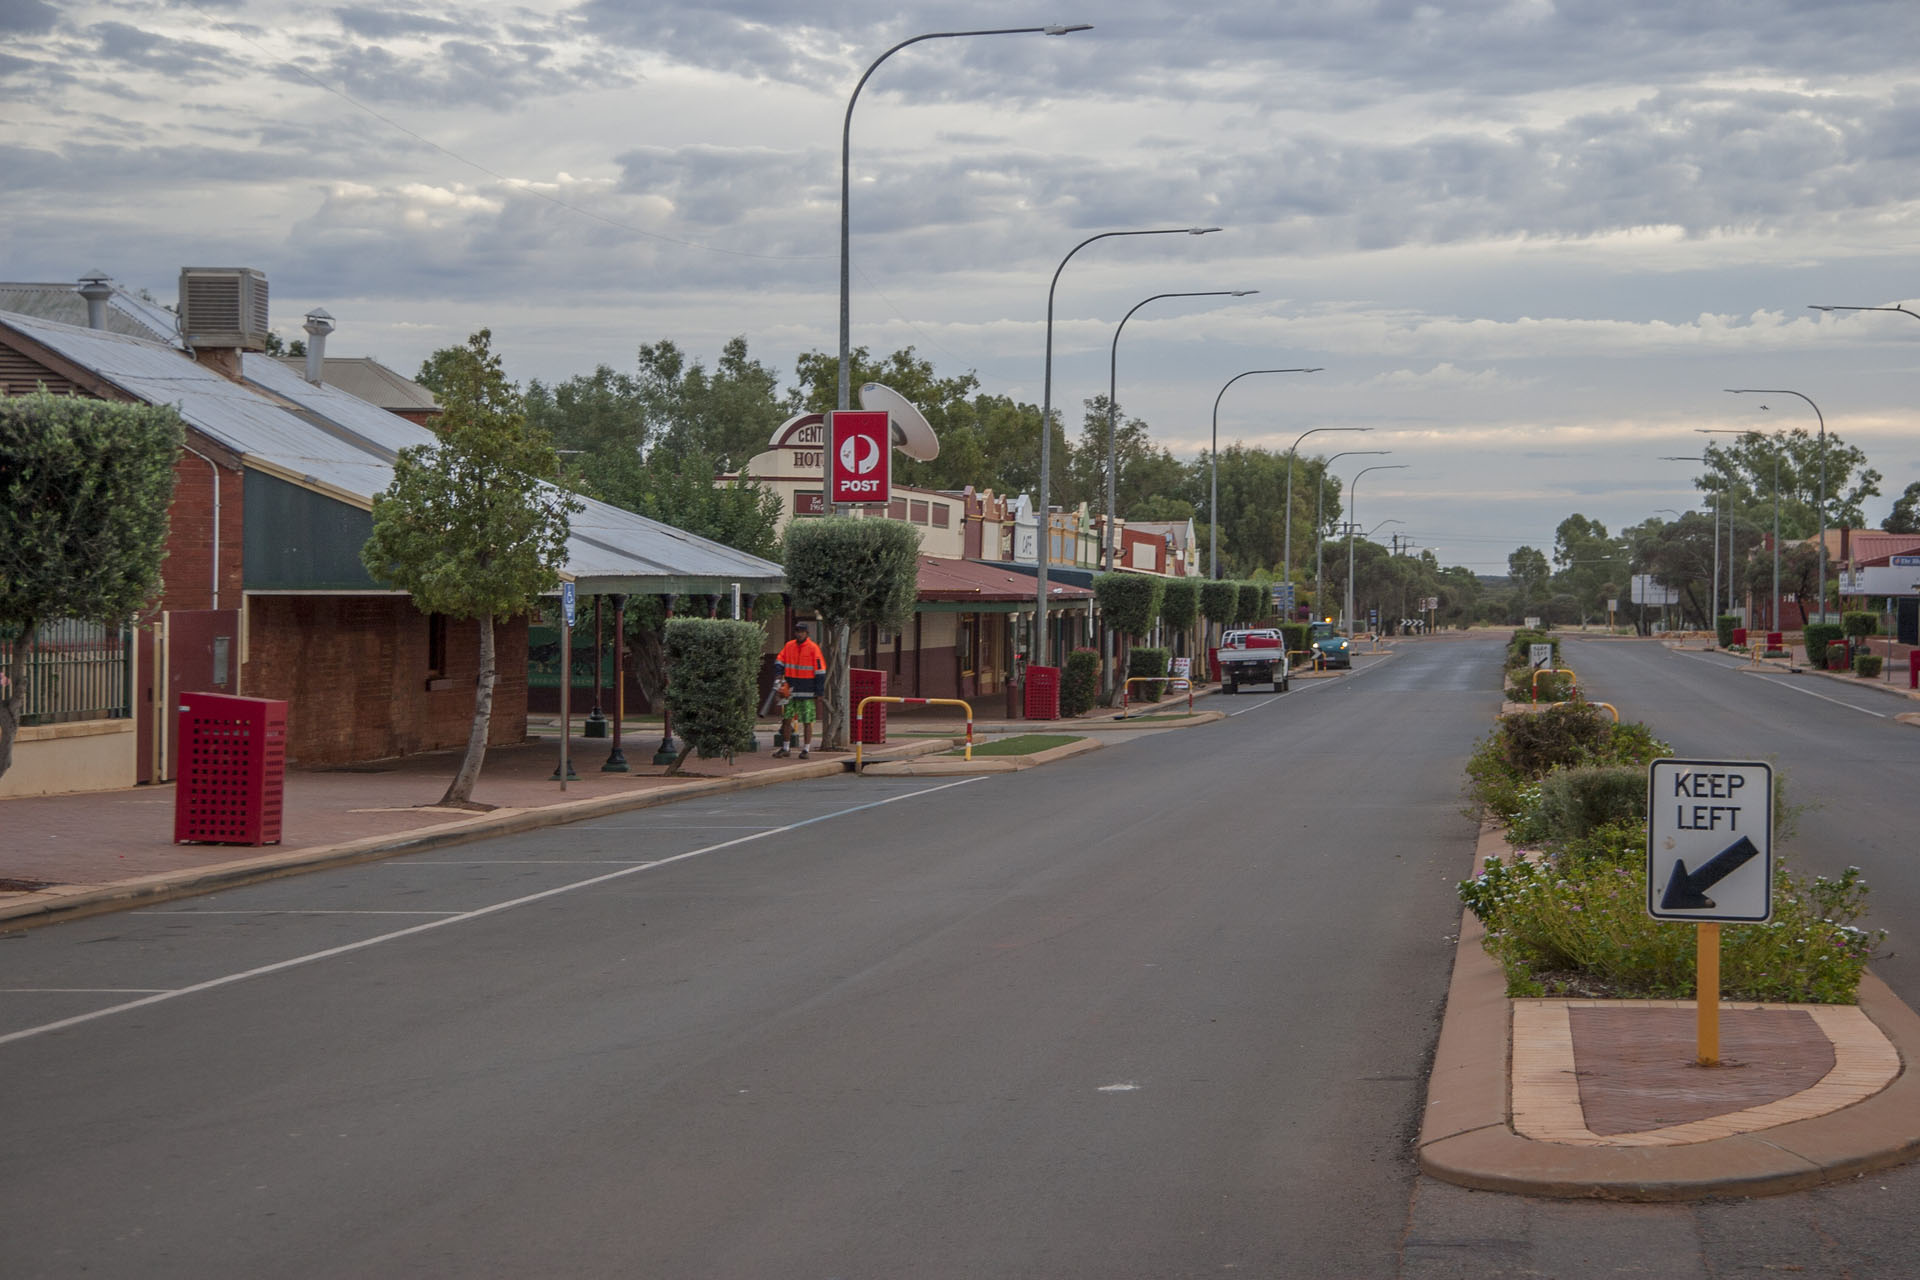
{"points": [[1252, 655]]}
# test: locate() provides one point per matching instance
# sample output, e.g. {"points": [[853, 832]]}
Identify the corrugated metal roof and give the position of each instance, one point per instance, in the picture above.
{"points": [[127, 313], [367, 378], [333, 440]]}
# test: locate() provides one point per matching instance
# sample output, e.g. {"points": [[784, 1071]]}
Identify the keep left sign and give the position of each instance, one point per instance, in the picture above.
{"points": [[1710, 840]]}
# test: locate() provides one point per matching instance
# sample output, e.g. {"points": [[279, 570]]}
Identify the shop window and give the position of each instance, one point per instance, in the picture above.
{"points": [[942, 513], [897, 509], [919, 510]]}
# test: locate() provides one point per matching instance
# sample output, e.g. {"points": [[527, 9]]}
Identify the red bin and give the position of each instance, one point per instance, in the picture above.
{"points": [[871, 728], [1740, 636], [1043, 693], [232, 770]]}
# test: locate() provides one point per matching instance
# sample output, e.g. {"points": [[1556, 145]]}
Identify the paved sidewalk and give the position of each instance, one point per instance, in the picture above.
{"points": [[1602, 1099], [79, 854]]}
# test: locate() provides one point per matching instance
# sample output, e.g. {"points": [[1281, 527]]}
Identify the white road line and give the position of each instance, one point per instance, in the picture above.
{"points": [[287, 911], [227, 980], [1730, 666], [1317, 685], [80, 991], [523, 862]]}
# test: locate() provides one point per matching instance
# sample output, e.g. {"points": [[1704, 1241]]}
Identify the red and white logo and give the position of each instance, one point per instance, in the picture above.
{"points": [[860, 473]]}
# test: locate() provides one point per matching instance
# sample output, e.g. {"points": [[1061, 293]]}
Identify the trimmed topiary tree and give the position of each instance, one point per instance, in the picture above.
{"points": [[1858, 624], [84, 490], [1252, 604], [1220, 601], [854, 573], [1180, 604], [1723, 627], [1131, 601], [713, 671]]}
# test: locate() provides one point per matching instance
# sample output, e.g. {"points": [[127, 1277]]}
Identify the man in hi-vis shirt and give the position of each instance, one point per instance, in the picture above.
{"points": [[801, 664]]}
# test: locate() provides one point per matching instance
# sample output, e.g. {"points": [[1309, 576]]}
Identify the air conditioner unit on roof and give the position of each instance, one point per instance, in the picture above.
{"points": [[224, 307]]}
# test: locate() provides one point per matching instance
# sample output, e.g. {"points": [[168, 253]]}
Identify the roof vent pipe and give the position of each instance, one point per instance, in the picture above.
{"points": [[95, 289], [319, 324]]}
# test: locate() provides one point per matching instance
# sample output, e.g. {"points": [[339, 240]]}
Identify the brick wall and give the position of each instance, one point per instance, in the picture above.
{"points": [[353, 672], [188, 569]]}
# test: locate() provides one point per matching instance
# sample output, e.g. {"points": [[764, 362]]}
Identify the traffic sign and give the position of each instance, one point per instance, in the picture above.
{"points": [[567, 599], [860, 472], [1540, 656], [1283, 599], [1710, 841]]}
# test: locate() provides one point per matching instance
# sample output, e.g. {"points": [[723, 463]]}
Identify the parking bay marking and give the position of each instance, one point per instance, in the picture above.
{"points": [[226, 980]]}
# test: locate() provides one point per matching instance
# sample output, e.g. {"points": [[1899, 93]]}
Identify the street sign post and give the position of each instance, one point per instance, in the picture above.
{"points": [[860, 471], [1709, 860], [1283, 600], [569, 600]]}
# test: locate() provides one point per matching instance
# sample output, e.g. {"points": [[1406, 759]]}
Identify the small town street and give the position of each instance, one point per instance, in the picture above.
{"points": [[1164, 1009]]}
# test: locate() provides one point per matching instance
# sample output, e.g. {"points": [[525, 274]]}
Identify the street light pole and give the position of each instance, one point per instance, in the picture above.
{"points": [[1713, 594], [1111, 533], [1319, 518], [1044, 551], [1213, 457], [1788, 391], [1353, 507], [1113, 380], [1286, 556]]}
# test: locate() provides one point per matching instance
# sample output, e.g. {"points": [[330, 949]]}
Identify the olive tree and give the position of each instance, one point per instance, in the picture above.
{"points": [[468, 528], [84, 491], [853, 573], [715, 666]]}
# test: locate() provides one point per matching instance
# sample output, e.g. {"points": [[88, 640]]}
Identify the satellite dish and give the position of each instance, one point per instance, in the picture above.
{"points": [[911, 434]]}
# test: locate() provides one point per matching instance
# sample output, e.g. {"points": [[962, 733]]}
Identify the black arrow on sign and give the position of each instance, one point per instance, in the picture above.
{"points": [[1688, 892]]}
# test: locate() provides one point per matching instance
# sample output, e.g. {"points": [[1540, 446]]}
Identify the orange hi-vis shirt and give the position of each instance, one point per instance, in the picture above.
{"points": [[803, 665]]}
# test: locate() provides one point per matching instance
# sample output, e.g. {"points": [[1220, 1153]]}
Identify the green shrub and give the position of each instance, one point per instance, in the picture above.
{"points": [[1518, 655], [1130, 601], [1080, 682], [1254, 603], [1817, 636], [1558, 926], [1296, 635], [1142, 661], [1840, 651], [1867, 665], [1180, 602], [1524, 748], [1859, 623], [1554, 686], [1220, 601], [1723, 627], [1576, 802], [713, 667]]}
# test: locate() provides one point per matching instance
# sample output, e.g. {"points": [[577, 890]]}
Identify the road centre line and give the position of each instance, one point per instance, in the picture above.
{"points": [[1314, 687], [286, 911], [78, 991], [312, 957]]}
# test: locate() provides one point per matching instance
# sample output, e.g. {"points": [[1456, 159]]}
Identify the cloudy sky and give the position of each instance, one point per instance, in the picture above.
{"points": [[1530, 241]]}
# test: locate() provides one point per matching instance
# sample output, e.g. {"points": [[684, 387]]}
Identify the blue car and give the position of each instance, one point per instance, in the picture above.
{"points": [[1335, 650]]}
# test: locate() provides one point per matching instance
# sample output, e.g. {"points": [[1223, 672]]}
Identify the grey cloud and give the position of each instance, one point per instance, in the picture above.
{"points": [[378, 23], [121, 42], [476, 71], [27, 17]]}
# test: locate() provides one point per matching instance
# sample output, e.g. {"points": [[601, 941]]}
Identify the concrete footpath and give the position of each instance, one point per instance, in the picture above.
{"points": [[70, 855]]}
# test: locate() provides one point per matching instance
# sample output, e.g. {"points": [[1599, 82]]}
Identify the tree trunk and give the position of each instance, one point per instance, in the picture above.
{"points": [[460, 790], [833, 720], [13, 694], [673, 770]]}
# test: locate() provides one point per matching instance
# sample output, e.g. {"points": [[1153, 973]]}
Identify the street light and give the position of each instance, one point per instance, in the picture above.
{"points": [[1814, 306], [1731, 555], [1774, 617], [1113, 379], [1213, 456], [1353, 506], [1319, 518], [1787, 391], [1045, 549], [1287, 555], [843, 398]]}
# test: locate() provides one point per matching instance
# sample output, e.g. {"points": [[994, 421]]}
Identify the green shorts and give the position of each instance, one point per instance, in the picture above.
{"points": [[800, 710]]}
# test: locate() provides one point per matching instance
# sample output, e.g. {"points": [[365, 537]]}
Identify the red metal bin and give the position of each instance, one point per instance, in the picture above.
{"points": [[871, 728], [232, 770], [1043, 693]]}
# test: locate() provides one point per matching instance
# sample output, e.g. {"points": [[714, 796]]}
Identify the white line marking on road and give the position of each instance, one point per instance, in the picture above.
{"points": [[1315, 687], [1125, 1087], [288, 911], [525, 862], [1729, 666], [81, 991], [227, 980]]}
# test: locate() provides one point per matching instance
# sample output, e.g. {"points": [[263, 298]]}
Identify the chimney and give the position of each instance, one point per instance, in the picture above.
{"points": [[319, 324], [95, 289]]}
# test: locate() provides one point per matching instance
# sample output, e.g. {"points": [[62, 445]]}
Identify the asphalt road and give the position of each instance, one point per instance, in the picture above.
{"points": [[1160, 1010]]}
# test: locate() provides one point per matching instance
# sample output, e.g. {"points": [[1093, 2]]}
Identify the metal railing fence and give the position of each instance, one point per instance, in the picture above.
{"points": [[75, 671]]}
